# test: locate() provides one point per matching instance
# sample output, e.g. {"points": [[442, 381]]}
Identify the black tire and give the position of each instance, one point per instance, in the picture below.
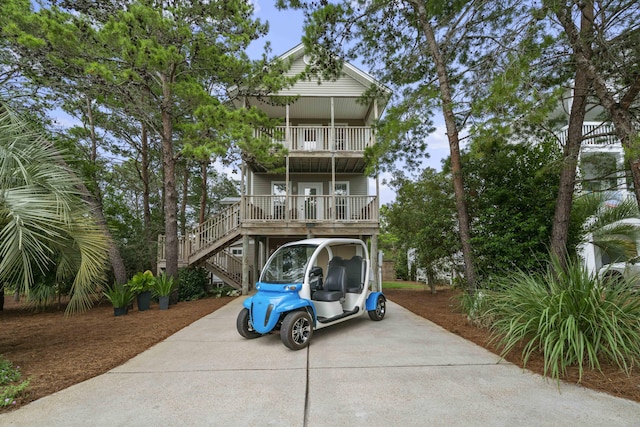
{"points": [[378, 313], [243, 323], [296, 330]]}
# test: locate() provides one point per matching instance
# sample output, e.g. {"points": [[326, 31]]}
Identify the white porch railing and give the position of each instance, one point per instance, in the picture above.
{"points": [[311, 208], [593, 134], [321, 138], [215, 228], [229, 264], [205, 234]]}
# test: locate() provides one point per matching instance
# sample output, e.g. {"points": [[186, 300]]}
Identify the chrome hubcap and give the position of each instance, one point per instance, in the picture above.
{"points": [[380, 307], [300, 331]]}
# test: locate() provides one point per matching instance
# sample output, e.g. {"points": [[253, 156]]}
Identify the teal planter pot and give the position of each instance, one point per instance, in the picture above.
{"points": [[164, 302], [120, 311], [144, 300]]}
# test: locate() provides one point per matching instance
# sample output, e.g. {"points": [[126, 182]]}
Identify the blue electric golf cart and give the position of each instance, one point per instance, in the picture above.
{"points": [[311, 284]]}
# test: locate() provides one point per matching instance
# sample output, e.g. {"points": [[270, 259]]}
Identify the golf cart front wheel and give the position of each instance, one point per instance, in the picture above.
{"points": [[296, 330], [380, 310], [243, 323]]}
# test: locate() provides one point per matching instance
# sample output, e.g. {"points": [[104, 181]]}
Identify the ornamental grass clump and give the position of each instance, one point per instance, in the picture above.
{"points": [[571, 317], [11, 384]]}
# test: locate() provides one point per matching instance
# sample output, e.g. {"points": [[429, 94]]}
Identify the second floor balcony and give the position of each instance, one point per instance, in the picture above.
{"points": [[308, 139], [593, 134]]}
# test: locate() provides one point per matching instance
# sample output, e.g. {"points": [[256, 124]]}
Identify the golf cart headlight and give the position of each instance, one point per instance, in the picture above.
{"points": [[291, 288]]}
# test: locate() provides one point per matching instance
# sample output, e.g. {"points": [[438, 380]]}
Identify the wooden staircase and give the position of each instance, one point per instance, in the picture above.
{"points": [[227, 267], [206, 246]]}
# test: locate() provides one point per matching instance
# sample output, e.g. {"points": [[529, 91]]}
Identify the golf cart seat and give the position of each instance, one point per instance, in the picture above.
{"points": [[355, 274], [335, 284]]}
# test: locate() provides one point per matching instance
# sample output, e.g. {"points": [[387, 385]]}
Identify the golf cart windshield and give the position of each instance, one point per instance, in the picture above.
{"points": [[288, 264]]}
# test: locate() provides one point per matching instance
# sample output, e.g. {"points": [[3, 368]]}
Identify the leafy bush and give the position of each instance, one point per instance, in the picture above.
{"points": [[571, 317], [192, 283], [119, 295], [141, 282], [477, 306], [10, 384], [402, 266], [41, 295], [225, 291], [164, 285]]}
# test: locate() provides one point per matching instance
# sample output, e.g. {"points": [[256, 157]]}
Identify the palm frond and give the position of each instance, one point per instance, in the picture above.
{"points": [[43, 219]]}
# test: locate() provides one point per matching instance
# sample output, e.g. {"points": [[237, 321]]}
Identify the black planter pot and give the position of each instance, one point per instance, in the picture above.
{"points": [[144, 300], [163, 301], [120, 311]]}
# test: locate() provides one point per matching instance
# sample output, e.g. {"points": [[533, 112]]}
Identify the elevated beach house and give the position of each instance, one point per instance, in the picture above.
{"points": [[323, 191]]}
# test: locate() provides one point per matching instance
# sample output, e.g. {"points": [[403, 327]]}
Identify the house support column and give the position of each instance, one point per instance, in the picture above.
{"points": [[287, 198], [256, 260], [243, 192], [245, 264], [377, 286], [332, 190]]}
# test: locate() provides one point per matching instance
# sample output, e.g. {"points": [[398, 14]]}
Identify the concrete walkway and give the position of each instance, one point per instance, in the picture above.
{"points": [[403, 371]]}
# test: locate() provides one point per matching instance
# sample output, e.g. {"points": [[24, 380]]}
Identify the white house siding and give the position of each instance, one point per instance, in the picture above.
{"points": [[358, 184], [344, 86]]}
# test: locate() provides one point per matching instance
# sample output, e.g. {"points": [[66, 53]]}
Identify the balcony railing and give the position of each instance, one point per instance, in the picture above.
{"points": [[311, 208], [321, 138], [594, 134]]}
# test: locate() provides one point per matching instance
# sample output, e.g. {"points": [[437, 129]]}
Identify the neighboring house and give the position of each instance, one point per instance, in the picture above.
{"points": [[601, 168], [323, 191]]}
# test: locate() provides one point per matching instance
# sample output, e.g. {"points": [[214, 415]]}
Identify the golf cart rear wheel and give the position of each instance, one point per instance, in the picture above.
{"points": [[296, 330], [381, 308], [243, 323]]}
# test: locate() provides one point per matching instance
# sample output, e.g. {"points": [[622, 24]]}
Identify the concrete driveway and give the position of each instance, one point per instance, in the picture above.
{"points": [[403, 371]]}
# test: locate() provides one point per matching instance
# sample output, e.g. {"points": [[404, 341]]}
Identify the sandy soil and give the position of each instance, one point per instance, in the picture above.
{"points": [[55, 351]]}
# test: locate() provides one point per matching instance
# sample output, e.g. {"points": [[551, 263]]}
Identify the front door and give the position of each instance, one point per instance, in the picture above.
{"points": [[310, 206]]}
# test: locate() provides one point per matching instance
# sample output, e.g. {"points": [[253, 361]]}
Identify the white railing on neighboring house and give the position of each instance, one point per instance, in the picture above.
{"points": [[311, 208], [321, 138], [593, 134]]}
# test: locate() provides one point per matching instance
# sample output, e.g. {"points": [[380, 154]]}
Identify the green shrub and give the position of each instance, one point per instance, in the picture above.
{"points": [[164, 285], [476, 306], [120, 295], [225, 291], [10, 384], [571, 317], [41, 295], [141, 282], [192, 283]]}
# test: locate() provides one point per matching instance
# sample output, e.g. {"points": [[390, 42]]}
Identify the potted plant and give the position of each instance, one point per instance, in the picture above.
{"points": [[120, 296], [163, 286], [141, 285]]}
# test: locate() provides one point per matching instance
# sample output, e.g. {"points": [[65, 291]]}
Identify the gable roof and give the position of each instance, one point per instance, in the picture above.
{"points": [[362, 77]]}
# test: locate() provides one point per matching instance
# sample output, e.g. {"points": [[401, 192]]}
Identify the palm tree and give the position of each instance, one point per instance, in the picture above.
{"points": [[608, 226], [44, 224]]}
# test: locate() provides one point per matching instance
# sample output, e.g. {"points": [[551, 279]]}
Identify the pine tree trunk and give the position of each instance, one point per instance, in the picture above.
{"points": [[454, 145], [146, 208], [169, 183], [571, 152], [619, 113], [185, 195], [203, 190]]}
